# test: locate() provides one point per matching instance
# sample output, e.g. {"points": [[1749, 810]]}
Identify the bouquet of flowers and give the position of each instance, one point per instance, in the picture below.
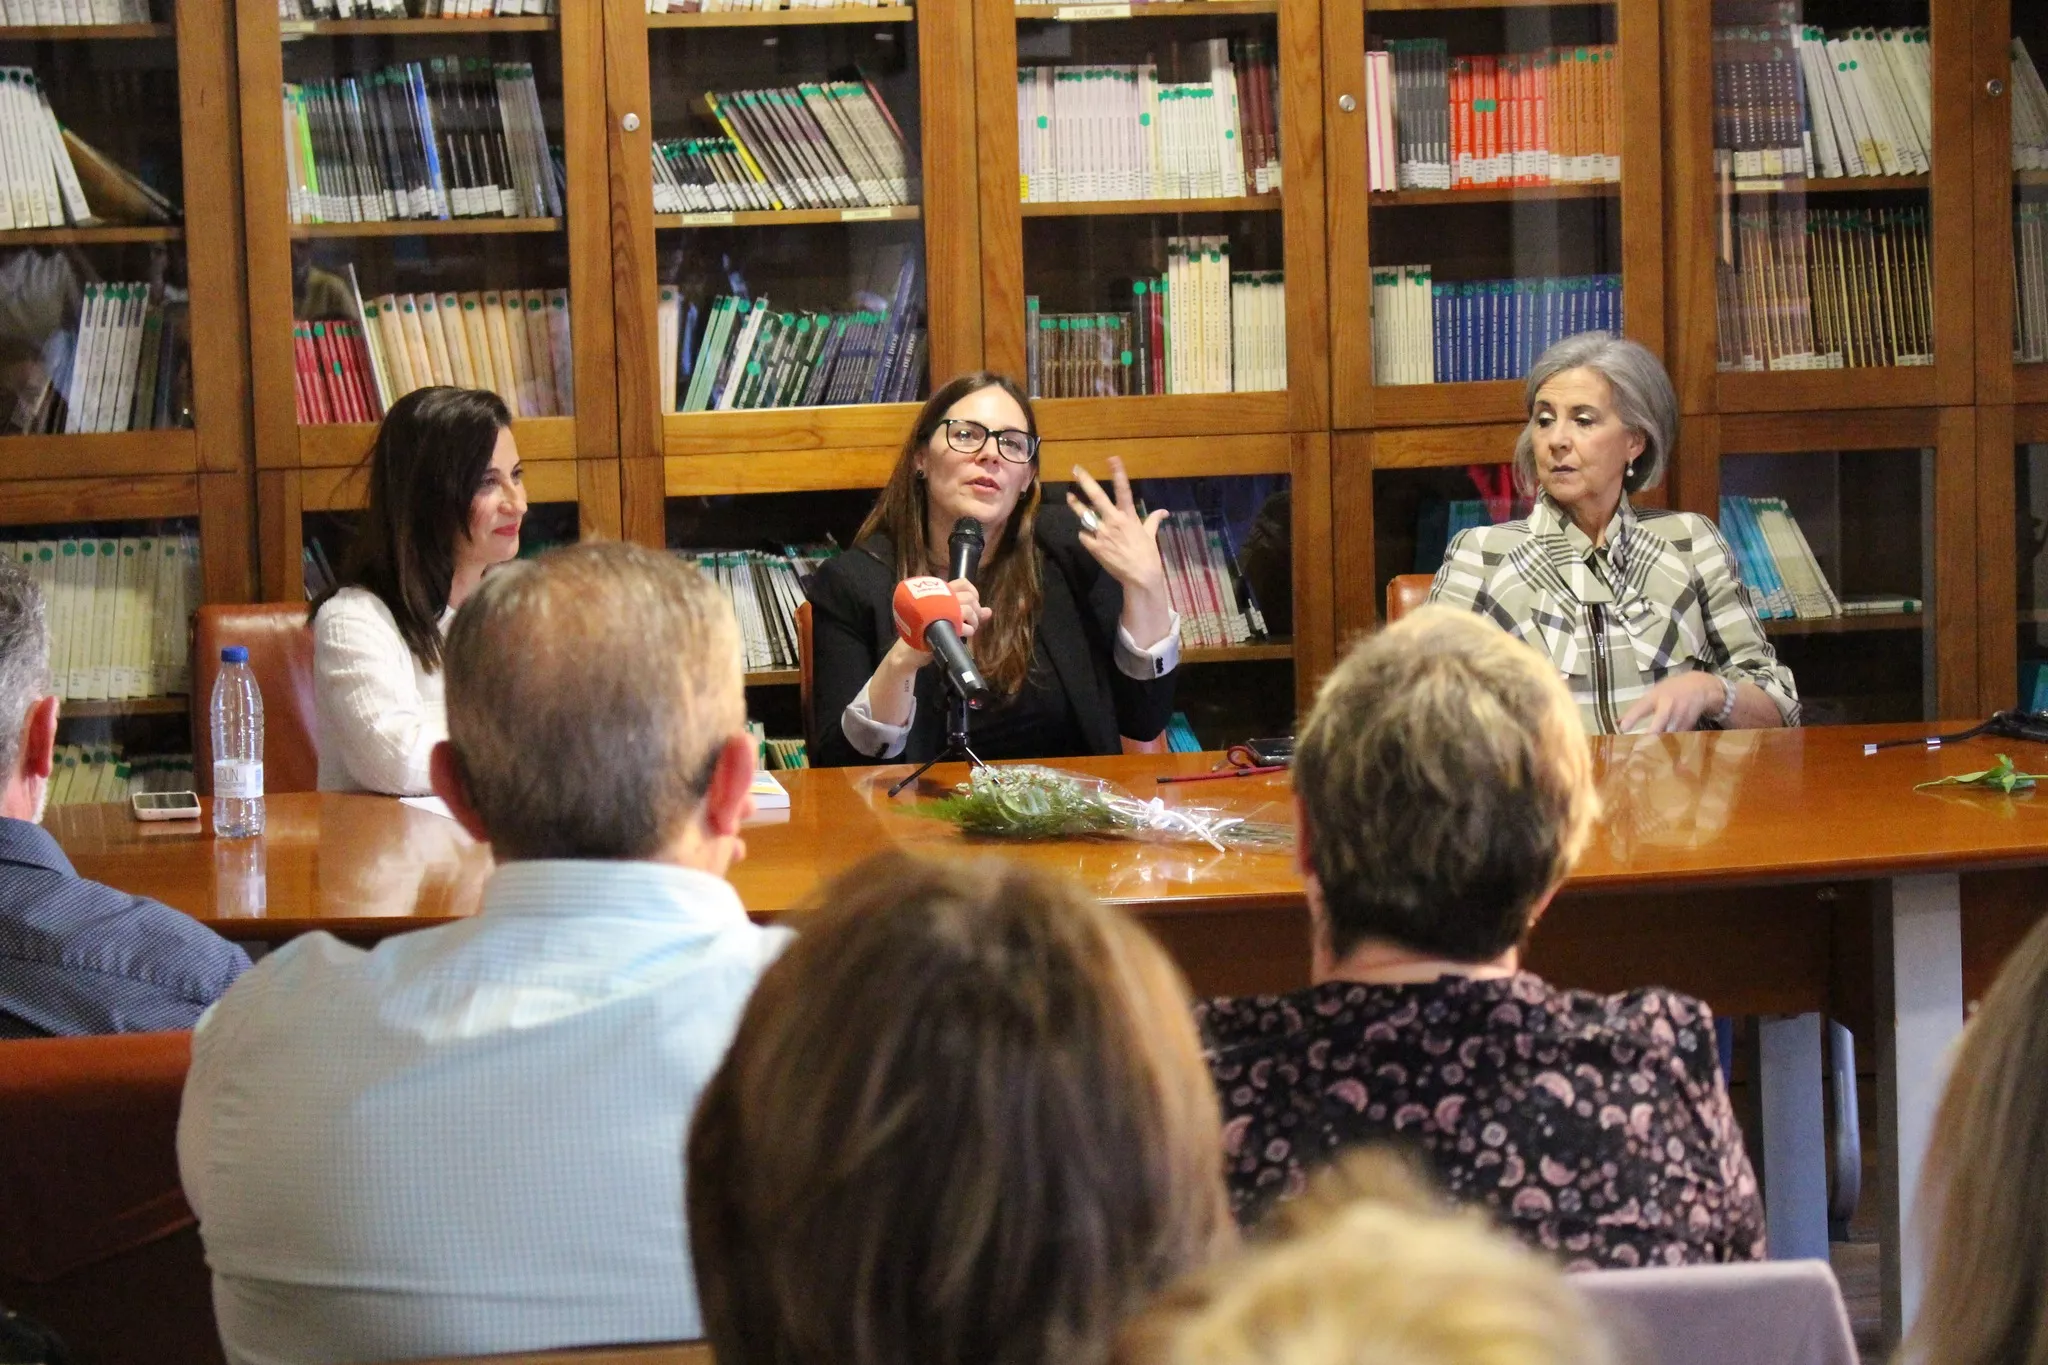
{"points": [[1026, 801]]}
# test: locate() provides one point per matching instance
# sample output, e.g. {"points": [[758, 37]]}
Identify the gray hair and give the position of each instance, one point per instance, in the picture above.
{"points": [[24, 659], [1643, 400], [589, 692]]}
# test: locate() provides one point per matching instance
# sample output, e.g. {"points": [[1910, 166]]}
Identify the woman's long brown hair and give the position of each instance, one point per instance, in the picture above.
{"points": [[1981, 1217], [1008, 578]]}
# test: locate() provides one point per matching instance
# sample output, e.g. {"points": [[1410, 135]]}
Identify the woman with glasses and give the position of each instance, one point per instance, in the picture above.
{"points": [[1068, 616]]}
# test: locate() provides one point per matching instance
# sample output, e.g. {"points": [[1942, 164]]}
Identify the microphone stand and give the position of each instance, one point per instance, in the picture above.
{"points": [[956, 739]]}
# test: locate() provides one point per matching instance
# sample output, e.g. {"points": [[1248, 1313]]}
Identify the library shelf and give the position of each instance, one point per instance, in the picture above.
{"points": [[1103, 208], [342, 489], [111, 235], [57, 33], [889, 213], [2031, 178], [775, 677], [1486, 4], [1197, 416], [40, 502], [798, 431], [345, 444], [427, 227], [1851, 625], [1418, 405], [779, 18], [289, 29], [1839, 184], [1494, 194], [124, 706], [1143, 9], [109, 454], [1237, 654], [1773, 391]]}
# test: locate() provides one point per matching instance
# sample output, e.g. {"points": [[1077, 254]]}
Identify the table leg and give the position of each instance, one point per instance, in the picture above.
{"points": [[1919, 1013], [1795, 1170]]}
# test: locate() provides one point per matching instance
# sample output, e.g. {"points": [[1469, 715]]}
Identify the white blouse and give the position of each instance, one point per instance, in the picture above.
{"points": [[380, 713]]}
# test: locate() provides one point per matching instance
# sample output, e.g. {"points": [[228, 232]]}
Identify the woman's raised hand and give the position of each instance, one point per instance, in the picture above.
{"points": [[1125, 544]]}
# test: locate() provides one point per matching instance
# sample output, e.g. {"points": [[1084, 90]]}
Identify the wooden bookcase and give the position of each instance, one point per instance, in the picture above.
{"points": [[312, 468]]}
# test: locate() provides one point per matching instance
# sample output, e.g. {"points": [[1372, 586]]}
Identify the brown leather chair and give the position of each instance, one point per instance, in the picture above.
{"points": [[280, 645], [1406, 592], [96, 1240]]}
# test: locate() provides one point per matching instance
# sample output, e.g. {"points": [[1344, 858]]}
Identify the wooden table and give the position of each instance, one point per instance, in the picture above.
{"points": [[1719, 867]]}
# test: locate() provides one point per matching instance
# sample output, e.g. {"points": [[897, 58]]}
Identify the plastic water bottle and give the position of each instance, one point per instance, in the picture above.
{"points": [[237, 748]]}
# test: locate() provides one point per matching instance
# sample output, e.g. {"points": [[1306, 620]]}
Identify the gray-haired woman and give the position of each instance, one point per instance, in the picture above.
{"points": [[1639, 609]]}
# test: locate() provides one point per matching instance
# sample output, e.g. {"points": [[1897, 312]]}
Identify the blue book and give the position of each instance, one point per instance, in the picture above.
{"points": [[1468, 310], [1489, 307], [1441, 302], [437, 185]]}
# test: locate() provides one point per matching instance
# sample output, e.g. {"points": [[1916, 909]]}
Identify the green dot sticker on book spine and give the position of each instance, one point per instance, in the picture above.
{"points": [[1137, 286], [1126, 357], [1043, 121], [753, 367], [1144, 120]]}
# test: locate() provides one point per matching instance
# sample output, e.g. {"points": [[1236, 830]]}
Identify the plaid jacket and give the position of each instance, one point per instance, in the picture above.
{"points": [[1659, 597]]}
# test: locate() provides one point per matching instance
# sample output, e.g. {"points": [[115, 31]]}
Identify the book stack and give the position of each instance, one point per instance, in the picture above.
{"points": [[126, 367], [118, 609], [1435, 122], [1778, 568], [1827, 289], [718, 6], [2030, 283], [1205, 584], [2029, 112], [777, 755], [825, 144], [50, 177], [84, 773], [1180, 735], [1793, 100], [1117, 132], [1198, 328], [1427, 332], [514, 342], [411, 9], [752, 356], [452, 137], [765, 589], [68, 13]]}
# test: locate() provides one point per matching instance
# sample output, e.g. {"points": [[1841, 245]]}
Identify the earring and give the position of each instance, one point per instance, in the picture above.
{"points": [[1630, 472]]}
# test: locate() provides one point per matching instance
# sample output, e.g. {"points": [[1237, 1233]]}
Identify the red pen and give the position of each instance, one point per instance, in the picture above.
{"points": [[1228, 772]]}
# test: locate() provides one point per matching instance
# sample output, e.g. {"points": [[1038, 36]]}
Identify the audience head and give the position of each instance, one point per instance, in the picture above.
{"points": [[965, 1119], [1445, 788], [28, 713], [1366, 1271], [595, 710], [953, 465], [1981, 1217], [1633, 414], [446, 500]]}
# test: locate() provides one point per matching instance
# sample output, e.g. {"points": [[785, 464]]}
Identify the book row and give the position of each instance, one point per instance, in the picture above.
{"points": [[777, 755], [716, 6], [1826, 289], [1205, 583], [1793, 100], [411, 9], [740, 353], [1426, 332], [514, 342], [118, 608], [50, 177], [1149, 349], [69, 13], [765, 588], [1118, 132], [1778, 569], [85, 773], [451, 137], [125, 365], [1437, 122], [822, 144], [2030, 283], [2029, 112]]}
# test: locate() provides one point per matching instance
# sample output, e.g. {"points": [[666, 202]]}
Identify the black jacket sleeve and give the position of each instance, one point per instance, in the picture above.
{"points": [[850, 632]]}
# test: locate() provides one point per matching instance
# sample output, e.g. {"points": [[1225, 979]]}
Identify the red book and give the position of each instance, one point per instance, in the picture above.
{"points": [[1461, 124], [366, 379], [1485, 122], [1539, 104], [309, 371], [330, 375], [1512, 109], [1156, 305]]}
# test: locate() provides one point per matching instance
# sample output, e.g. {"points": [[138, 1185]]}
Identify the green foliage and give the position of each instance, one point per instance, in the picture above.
{"points": [[2002, 777]]}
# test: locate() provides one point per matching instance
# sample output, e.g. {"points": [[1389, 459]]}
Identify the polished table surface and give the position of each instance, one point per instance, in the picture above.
{"points": [[1681, 811]]}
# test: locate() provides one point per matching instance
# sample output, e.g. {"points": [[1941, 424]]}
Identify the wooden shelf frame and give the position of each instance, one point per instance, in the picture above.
{"points": [[786, 18], [113, 234], [291, 30]]}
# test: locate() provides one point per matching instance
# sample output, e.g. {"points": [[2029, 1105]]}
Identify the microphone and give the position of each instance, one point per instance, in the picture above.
{"points": [[928, 618], [965, 547]]}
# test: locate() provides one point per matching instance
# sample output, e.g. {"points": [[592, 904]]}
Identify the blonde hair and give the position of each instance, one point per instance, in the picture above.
{"points": [[1981, 1218], [1447, 784], [1369, 1272]]}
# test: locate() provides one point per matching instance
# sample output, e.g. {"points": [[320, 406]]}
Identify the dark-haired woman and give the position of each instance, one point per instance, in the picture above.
{"points": [[446, 501], [1069, 615]]}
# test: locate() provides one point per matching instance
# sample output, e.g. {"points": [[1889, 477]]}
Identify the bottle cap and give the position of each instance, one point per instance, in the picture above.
{"points": [[234, 654]]}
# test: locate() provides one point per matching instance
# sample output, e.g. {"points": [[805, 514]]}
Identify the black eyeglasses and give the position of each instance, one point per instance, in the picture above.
{"points": [[1018, 447]]}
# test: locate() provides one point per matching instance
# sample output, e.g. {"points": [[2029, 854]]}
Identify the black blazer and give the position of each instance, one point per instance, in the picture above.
{"points": [[852, 627]]}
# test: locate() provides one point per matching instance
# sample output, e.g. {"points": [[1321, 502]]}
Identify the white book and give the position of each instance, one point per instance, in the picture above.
{"points": [[63, 172], [561, 353], [743, 348], [1873, 138], [115, 301], [121, 679], [12, 176], [540, 351], [1893, 48], [77, 384], [192, 592], [84, 602], [1854, 134], [1825, 153], [667, 331], [163, 608], [142, 637], [63, 609], [105, 604], [38, 203], [117, 417], [1876, 70]]}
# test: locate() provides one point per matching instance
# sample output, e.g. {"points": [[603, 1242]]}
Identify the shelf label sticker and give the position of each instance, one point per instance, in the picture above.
{"points": [[1068, 13], [721, 218], [866, 215]]}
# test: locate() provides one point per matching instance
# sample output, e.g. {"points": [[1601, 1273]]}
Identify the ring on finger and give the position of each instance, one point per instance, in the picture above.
{"points": [[1089, 521]]}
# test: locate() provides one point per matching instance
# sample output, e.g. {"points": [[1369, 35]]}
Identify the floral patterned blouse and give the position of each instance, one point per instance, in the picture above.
{"points": [[1594, 1126]]}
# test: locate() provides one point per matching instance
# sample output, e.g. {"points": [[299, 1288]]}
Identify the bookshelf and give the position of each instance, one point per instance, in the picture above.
{"points": [[513, 231]]}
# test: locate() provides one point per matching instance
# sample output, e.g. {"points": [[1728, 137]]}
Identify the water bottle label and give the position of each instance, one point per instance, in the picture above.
{"points": [[233, 779]]}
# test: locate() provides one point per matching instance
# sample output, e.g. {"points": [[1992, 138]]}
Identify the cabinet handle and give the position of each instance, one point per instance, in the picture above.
{"points": [[1346, 103], [631, 123], [1994, 87]]}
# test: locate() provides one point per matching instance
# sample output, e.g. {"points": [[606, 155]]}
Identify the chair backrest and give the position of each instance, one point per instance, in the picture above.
{"points": [[803, 677], [96, 1240], [280, 645], [1760, 1313], [1406, 592]]}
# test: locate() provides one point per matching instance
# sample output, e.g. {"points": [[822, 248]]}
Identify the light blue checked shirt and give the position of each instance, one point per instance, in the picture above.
{"points": [[469, 1139]]}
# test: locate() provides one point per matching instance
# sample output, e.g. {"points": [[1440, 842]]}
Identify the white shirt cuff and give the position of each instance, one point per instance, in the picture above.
{"points": [[1147, 664], [870, 736]]}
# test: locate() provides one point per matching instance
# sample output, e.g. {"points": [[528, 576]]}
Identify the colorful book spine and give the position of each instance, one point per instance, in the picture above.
{"points": [[1434, 121], [1826, 289], [1426, 330]]}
